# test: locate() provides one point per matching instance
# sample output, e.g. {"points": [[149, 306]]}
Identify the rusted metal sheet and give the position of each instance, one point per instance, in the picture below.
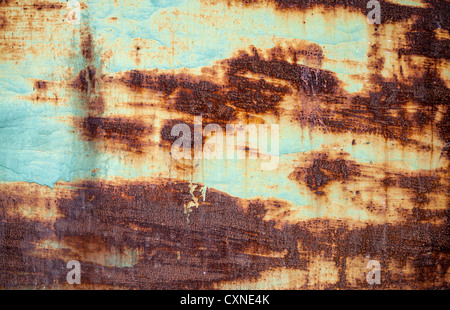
{"points": [[344, 167]]}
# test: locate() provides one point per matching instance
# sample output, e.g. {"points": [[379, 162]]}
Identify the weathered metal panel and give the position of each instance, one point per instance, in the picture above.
{"points": [[92, 91]]}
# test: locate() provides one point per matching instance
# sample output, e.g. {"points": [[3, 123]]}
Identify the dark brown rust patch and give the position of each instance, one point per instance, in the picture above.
{"points": [[420, 185], [389, 181], [205, 100], [312, 54], [422, 215], [130, 133], [47, 6], [221, 242], [41, 85], [424, 245], [324, 170], [168, 140], [211, 247], [312, 81], [87, 46], [86, 84], [428, 89], [220, 234], [187, 93], [166, 131], [210, 100], [239, 91], [422, 40], [164, 83], [256, 96], [384, 112], [422, 118], [18, 268], [3, 22], [86, 80]]}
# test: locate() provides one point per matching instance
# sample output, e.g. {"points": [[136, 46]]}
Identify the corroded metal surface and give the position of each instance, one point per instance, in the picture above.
{"points": [[91, 91]]}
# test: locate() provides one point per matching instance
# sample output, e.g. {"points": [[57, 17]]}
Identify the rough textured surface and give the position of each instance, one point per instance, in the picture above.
{"points": [[85, 144]]}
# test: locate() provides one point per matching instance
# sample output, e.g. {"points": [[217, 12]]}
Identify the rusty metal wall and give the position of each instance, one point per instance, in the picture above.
{"points": [[90, 93]]}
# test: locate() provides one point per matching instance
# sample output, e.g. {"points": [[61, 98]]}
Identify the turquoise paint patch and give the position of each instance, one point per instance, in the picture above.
{"points": [[298, 140], [204, 42], [369, 153], [36, 147], [229, 176]]}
